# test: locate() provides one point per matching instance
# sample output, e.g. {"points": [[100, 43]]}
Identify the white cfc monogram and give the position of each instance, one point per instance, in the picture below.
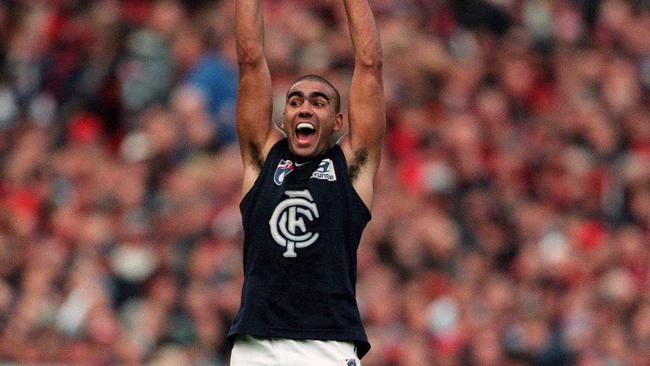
{"points": [[287, 223]]}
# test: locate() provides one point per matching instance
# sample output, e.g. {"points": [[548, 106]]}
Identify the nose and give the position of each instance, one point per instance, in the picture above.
{"points": [[305, 110]]}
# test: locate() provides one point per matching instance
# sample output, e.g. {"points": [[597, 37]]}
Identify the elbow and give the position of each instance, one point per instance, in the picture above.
{"points": [[373, 61], [370, 57], [249, 55], [248, 61]]}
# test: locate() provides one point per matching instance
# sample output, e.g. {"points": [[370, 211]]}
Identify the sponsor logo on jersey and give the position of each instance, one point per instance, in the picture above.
{"points": [[287, 223], [351, 362], [284, 167], [325, 171]]}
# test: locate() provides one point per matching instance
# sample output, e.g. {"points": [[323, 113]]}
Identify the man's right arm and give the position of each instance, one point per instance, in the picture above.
{"points": [[254, 94]]}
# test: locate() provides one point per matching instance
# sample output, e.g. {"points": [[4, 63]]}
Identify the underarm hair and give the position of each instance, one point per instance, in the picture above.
{"points": [[359, 160], [256, 155]]}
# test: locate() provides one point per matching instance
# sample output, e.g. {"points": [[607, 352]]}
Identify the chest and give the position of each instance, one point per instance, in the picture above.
{"points": [[298, 203]]}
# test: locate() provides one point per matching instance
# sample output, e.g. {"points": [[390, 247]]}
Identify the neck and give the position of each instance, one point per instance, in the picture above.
{"points": [[307, 158]]}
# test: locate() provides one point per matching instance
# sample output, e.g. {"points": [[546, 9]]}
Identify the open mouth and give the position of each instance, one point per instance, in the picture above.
{"points": [[305, 132]]}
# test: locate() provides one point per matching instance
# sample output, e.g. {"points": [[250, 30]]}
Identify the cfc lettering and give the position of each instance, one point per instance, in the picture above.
{"points": [[287, 223]]}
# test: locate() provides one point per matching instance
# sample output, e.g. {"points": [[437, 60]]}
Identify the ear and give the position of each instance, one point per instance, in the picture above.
{"points": [[338, 122]]}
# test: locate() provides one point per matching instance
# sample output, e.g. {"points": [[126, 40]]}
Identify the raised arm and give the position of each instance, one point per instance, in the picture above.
{"points": [[367, 116], [254, 93]]}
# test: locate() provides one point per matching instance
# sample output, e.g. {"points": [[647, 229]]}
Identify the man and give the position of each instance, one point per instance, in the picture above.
{"points": [[306, 201]]}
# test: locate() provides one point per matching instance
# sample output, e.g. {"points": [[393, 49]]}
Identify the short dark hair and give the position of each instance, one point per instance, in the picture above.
{"points": [[313, 77]]}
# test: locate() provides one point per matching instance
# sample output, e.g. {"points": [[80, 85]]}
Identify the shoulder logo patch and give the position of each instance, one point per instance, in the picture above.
{"points": [[284, 167], [325, 171]]}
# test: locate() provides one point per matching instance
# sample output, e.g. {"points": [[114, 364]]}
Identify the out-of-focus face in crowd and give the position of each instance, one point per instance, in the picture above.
{"points": [[512, 210]]}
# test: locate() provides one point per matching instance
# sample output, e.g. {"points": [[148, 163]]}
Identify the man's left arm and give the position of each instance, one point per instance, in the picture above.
{"points": [[367, 113]]}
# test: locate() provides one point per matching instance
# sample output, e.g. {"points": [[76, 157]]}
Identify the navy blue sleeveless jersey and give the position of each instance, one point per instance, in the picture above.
{"points": [[302, 225]]}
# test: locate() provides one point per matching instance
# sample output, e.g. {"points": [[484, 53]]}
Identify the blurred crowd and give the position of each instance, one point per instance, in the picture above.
{"points": [[511, 223]]}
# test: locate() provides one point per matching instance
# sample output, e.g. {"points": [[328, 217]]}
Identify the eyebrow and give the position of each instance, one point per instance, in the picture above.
{"points": [[295, 93], [315, 94]]}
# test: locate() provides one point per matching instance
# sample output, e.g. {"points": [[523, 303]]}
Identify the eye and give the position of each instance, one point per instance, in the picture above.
{"points": [[294, 102], [319, 103]]}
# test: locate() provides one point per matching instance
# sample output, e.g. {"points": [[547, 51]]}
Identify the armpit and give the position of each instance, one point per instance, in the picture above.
{"points": [[358, 161], [256, 156]]}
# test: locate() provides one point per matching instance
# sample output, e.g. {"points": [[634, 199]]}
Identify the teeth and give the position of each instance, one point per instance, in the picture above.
{"points": [[304, 125]]}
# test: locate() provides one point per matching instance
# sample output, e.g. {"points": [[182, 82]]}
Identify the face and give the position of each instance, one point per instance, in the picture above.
{"points": [[310, 119]]}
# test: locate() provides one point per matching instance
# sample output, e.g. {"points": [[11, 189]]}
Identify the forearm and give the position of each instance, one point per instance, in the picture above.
{"points": [[249, 31], [254, 93], [364, 34]]}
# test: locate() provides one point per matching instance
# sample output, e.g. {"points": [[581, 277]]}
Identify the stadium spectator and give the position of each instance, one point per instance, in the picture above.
{"points": [[511, 222]]}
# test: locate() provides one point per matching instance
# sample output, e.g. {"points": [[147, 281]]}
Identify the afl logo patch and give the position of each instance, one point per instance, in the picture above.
{"points": [[284, 167], [288, 225]]}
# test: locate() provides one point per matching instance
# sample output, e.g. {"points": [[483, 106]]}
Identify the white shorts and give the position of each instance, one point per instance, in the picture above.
{"points": [[253, 351]]}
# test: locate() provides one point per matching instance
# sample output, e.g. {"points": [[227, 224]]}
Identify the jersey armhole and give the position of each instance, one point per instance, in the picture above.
{"points": [[245, 201]]}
